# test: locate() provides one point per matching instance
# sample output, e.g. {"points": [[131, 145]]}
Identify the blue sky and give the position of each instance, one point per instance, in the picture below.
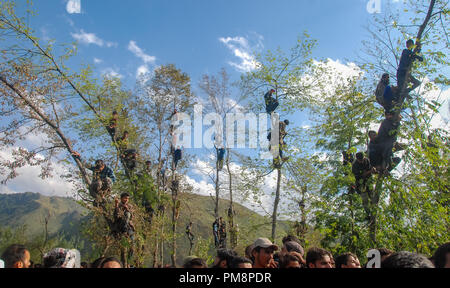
{"points": [[187, 32], [199, 36]]}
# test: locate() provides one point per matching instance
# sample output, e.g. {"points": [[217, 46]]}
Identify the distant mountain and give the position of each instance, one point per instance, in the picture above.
{"points": [[31, 209], [66, 215]]}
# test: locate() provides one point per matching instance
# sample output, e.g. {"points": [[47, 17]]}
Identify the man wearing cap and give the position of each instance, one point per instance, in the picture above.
{"points": [[263, 253]]}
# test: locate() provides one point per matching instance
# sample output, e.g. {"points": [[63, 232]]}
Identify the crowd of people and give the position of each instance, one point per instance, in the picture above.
{"points": [[259, 255]]}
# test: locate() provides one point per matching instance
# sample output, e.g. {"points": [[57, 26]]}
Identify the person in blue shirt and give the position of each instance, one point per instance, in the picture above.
{"points": [[216, 232], [408, 57]]}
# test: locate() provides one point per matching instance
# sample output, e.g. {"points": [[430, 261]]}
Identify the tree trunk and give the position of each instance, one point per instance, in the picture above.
{"points": [[233, 232], [216, 208], [275, 206]]}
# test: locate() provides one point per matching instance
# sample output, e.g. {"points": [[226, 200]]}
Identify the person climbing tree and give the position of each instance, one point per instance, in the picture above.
{"points": [[215, 227], [148, 169], [390, 98], [277, 161], [123, 221], [130, 158], [123, 216], [271, 102], [348, 158], [407, 58], [150, 212], [282, 143], [102, 180], [222, 233], [177, 156], [190, 235], [112, 127], [123, 142], [379, 92], [387, 137], [362, 171], [374, 151], [220, 158]]}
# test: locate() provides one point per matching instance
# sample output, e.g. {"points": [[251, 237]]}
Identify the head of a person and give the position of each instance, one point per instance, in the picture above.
{"points": [[318, 258], [286, 122], [115, 114], [360, 157], [347, 260], [62, 258], [372, 135], [292, 246], [272, 91], [410, 44], [111, 263], [263, 252], [406, 260], [194, 263], [290, 238], [333, 262], [224, 258], [16, 256], [99, 165], [125, 134], [125, 198], [290, 261], [98, 262], [248, 252], [385, 253], [442, 256], [385, 78], [241, 263]]}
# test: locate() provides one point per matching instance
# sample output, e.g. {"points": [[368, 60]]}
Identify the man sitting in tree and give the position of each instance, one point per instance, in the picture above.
{"points": [[112, 127], [102, 180], [123, 216], [363, 171]]}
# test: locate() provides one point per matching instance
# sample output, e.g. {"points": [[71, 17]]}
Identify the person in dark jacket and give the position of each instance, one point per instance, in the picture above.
{"points": [[408, 57], [362, 171], [112, 127], [271, 102]]}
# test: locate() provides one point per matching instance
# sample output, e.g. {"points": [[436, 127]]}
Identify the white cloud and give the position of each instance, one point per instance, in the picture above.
{"points": [[28, 179], [142, 71], [241, 49], [111, 72], [97, 60], [73, 6], [138, 52], [91, 38]]}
